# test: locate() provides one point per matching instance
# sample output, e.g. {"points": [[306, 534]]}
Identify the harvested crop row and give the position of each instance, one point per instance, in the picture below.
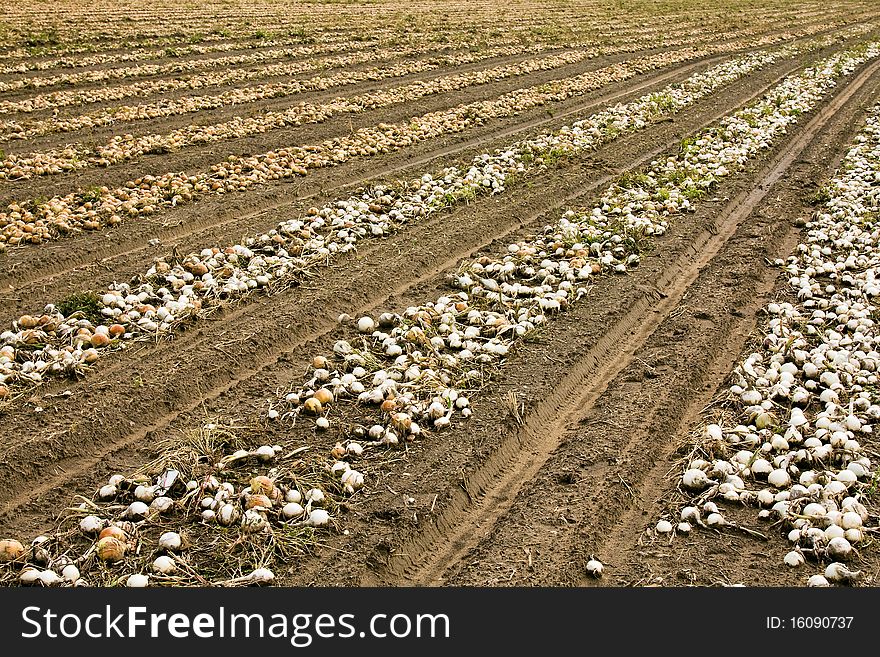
{"points": [[341, 42], [171, 68], [335, 42], [801, 408], [127, 147], [413, 366], [417, 365], [174, 25], [23, 129], [60, 99], [30, 223], [239, 96], [62, 341], [219, 78], [118, 32]]}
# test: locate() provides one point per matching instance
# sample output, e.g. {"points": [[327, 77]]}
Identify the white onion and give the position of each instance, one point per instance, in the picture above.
{"points": [[664, 527], [839, 549], [164, 564], [595, 568], [91, 525], [794, 559], [137, 581], [170, 541], [779, 478], [318, 518]]}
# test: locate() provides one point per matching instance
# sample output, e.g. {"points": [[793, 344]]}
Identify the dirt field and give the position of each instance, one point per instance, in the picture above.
{"points": [[579, 432]]}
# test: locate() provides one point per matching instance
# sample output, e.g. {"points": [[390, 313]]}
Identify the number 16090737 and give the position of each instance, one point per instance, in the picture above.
{"points": [[809, 622]]}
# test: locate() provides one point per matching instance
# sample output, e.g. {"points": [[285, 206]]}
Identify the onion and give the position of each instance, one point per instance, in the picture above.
{"points": [[318, 518], [817, 580], [253, 521], [262, 576], [715, 520], [834, 531], [839, 574], [50, 578], [29, 576], [664, 527], [262, 485], [10, 550], [258, 502], [164, 565], [595, 568], [110, 549], [694, 479], [107, 492], [264, 453], [136, 511], [794, 559], [323, 395], [227, 515], [691, 514], [170, 541], [70, 573], [292, 510], [137, 581], [851, 520], [162, 504], [114, 532], [779, 478], [313, 406], [144, 494], [91, 525], [839, 549]]}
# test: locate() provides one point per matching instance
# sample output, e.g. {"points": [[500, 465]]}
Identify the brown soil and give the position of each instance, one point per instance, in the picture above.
{"points": [[524, 493]]}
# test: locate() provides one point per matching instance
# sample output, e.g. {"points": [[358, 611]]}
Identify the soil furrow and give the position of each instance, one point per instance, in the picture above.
{"points": [[38, 266], [82, 262], [159, 386], [490, 492]]}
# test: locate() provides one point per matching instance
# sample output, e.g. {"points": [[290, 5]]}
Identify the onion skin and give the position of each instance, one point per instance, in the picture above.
{"points": [[323, 396], [114, 532], [313, 406], [110, 549], [261, 501], [10, 550]]}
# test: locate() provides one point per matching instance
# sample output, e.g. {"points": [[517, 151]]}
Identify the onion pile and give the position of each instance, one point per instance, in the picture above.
{"points": [[65, 98], [171, 68], [140, 54], [803, 405]]}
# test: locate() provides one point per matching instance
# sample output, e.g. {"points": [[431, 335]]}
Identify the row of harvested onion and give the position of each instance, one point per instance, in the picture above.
{"points": [[122, 148], [417, 366], [801, 408], [175, 290], [25, 222]]}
